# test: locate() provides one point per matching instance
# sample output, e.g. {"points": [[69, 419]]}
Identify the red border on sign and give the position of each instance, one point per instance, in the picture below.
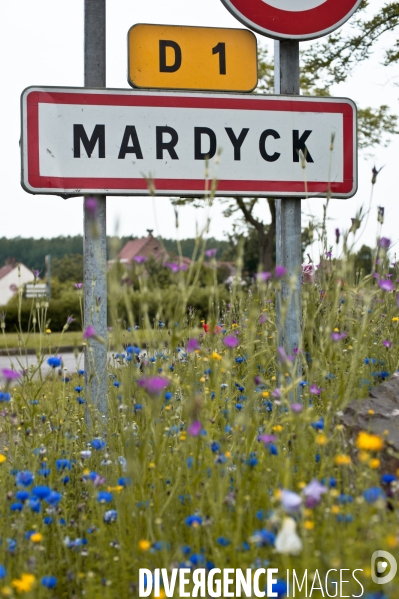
{"points": [[65, 185], [284, 22]]}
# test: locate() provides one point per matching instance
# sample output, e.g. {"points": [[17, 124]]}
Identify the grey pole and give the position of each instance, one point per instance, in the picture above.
{"points": [[288, 213], [94, 237]]}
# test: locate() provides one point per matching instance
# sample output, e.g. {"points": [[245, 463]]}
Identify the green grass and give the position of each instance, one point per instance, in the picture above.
{"points": [[30, 341]]}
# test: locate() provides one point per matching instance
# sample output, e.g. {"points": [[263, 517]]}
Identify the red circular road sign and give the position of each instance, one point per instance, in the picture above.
{"points": [[292, 19]]}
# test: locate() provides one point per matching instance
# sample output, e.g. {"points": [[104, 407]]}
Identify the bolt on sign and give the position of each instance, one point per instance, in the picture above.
{"points": [[195, 58], [110, 141]]}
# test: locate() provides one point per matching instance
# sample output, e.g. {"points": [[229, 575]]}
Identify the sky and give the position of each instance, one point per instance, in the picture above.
{"points": [[41, 43]]}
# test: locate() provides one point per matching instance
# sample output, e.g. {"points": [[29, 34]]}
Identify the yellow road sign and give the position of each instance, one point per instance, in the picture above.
{"points": [[196, 58]]}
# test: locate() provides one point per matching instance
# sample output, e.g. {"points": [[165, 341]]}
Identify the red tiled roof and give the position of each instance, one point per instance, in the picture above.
{"points": [[4, 270], [147, 246]]}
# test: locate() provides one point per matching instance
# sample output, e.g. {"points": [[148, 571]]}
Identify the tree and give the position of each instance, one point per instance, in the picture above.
{"points": [[68, 268]]}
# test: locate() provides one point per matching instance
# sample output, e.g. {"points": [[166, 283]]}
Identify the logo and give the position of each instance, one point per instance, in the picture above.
{"points": [[379, 565]]}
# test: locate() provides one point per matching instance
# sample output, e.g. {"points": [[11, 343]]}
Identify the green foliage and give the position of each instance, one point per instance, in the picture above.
{"points": [[68, 268], [363, 260]]}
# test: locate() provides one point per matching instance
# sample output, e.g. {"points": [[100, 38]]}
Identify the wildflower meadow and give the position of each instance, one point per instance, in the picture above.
{"points": [[218, 449]]}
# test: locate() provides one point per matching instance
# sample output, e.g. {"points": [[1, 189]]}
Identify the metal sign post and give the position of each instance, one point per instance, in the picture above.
{"points": [[288, 212], [94, 237]]}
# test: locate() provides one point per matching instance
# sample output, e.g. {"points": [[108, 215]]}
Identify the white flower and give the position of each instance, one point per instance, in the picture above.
{"points": [[287, 540]]}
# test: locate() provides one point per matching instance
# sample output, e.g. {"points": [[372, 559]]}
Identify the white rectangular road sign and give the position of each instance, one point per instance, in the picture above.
{"points": [[79, 141]]}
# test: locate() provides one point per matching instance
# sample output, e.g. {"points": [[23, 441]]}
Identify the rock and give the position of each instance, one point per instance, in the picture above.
{"points": [[378, 414]]}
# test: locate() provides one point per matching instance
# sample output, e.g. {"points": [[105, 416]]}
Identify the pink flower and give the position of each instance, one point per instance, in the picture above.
{"points": [[384, 243], [314, 389], [140, 259], [308, 273], [211, 253], [262, 319], [231, 341], [338, 336], [296, 407], [386, 285], [195, 428], [154, 384], [313, 492], [90, 332], [266, 439], [10, 375], [192, 345], [282, 356], [280, 271], [78, 285], [263, 276], [91, 206], [174, 267], [387, 343]]}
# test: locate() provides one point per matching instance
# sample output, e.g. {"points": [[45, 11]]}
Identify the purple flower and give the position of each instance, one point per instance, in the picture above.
{"points": [[195, 428], [279, 272], [314, 389], [36, 273], [174, 267], [313, 492], [386, 285], [70, 320], [387, 343], [282, 356], [154, 384], [384, 243], [338, 336], [211, 253], [296, 407], [328, 254], [192, 345], [140, 259], [337, 235], [231, 341], [262, 318], [10, 375], [263, 276], [276, 393], [78, 285], [90, 332], [290, 501], [91, 206], [266, 439]]}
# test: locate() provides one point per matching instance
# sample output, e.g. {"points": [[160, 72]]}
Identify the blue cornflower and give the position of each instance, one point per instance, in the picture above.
{"points": [[17, 506], [104, 497], [5, 396], [54, 498], [215, 446], [373, 494], [47, 520], [280, 587], [194, 520], [63, 464], [49, 582], [223, 541], [78, 389], [110, 516], [41, 492], [388, 478], [54, 362], [318, 425], [24, 478], [3, 572], [98, 444], [168, 395], [35, 505], [22, 496], [138, 407]]}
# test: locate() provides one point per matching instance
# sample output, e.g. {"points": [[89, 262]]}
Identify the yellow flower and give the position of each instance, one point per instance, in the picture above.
{"points": [[151, 465], [374, 464], [6, 591], [395, 319], [308, 525], [335, 509], [144, 545], [48, 331], [36, 537], [227, 454], [370, 412], [202, 379], [363, 456], [24, 584], [265, 394], [278, 428], [117, 489], [216, 356], [368, 442], [301, 485], [2, 458], [321, 439], [391, 541], [342, 460]]}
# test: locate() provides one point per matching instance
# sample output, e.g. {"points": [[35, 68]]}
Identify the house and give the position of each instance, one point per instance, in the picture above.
{"points": [[13, 276], [147, 246]]}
